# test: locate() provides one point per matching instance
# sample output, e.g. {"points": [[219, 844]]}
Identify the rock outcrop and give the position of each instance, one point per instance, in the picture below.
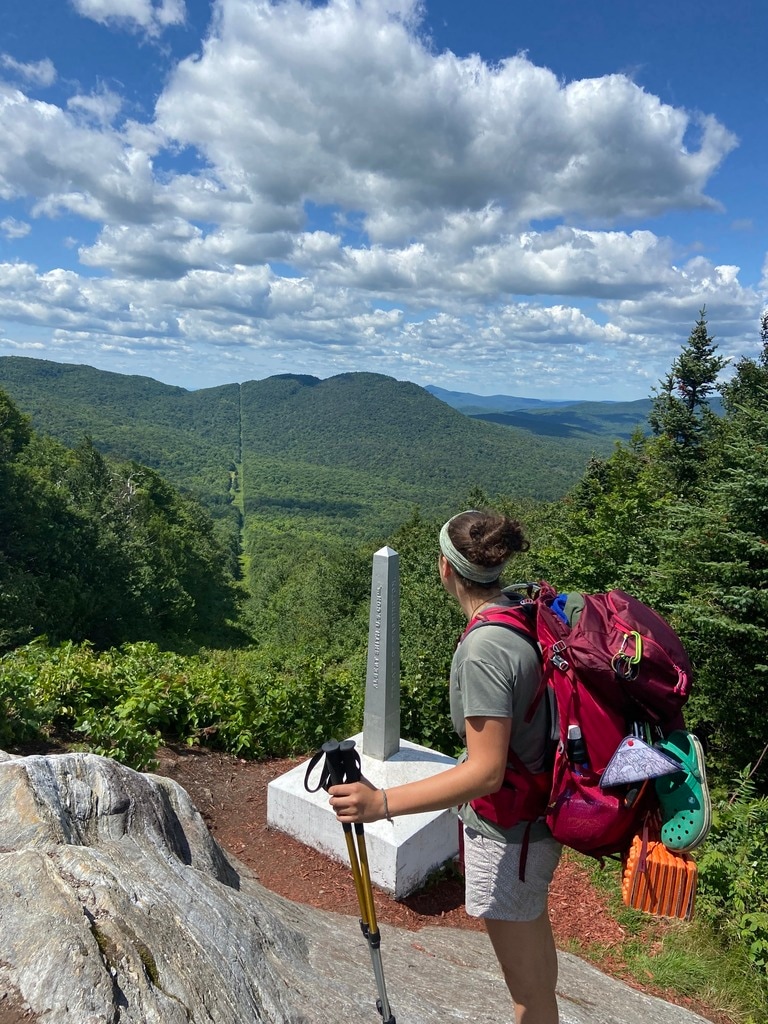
{"points": [[117, 905]]}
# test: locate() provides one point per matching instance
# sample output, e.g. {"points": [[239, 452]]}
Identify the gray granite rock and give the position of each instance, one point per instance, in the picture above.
{"points": [[117, 905]]}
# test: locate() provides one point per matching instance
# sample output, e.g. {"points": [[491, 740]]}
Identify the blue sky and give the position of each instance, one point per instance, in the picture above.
{"points": [[496, 196]]}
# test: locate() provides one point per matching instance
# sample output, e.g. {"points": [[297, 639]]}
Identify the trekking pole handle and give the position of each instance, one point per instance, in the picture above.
{"points": [[333, 762], [341, 761], [350, 761]]}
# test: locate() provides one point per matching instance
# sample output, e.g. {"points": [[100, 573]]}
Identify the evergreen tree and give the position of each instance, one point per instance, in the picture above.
{"points": [[750, 382], [681, 411], [603, 534], [712, 573]]}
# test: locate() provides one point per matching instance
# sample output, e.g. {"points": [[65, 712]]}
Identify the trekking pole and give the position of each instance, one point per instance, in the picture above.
{"points": [[342, 765]]}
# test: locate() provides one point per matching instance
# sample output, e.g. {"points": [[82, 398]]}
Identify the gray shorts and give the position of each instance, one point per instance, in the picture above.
{"points": [[492, 883]]}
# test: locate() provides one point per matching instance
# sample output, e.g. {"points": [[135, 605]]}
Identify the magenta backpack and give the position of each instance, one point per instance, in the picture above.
{"points": [[618, 663]]}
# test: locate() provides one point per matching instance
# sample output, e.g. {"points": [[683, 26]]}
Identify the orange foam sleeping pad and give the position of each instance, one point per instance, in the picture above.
{"points": [[661, 882]]}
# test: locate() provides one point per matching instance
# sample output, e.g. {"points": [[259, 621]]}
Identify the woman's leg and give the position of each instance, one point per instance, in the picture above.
{"points": [[515, 916], [528, 958]]}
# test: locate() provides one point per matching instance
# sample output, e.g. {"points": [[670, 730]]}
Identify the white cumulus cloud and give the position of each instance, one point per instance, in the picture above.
{"points": [[41, 72], [145, 15], [13, 228], [345, 106]]}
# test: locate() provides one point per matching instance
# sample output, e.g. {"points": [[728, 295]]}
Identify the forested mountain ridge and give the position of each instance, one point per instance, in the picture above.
{"points": [[191, 437], [363, 437], [358, 447], [44, 386]]}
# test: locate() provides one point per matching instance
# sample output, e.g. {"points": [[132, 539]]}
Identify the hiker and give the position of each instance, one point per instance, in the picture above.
{"points": [[494, 678]]}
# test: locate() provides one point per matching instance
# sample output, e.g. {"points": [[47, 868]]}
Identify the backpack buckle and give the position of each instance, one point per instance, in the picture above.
{"points": [[556, 656]]}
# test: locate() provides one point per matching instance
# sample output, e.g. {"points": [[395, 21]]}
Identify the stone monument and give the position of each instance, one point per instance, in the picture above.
{"points": [[381, 721], [402, 853]]}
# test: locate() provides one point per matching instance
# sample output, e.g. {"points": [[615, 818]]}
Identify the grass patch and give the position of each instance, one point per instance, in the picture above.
{"points": [[148, 960]]}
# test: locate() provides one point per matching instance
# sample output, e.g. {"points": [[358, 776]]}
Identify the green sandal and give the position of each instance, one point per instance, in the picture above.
{"points": [[686, 809]]}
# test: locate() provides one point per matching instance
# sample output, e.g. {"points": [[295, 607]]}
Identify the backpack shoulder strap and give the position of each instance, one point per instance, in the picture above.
{"points": [[519, 618]]}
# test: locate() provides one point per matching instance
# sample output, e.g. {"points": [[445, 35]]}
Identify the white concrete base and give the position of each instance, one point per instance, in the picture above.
{"points": [[402, 853]]}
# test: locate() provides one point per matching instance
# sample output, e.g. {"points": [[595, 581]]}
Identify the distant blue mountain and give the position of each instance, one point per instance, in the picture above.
{"points": [[607, 421], [468, 403]]}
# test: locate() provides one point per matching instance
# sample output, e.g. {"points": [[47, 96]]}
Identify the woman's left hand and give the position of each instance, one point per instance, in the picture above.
{"points": [[357, 802]]}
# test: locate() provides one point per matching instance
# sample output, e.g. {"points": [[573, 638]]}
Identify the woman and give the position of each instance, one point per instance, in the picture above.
{"points": [[494, 678]]}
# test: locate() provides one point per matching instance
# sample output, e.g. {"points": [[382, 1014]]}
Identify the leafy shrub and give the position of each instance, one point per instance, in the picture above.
{"points": [[22, 714], [124, 702], [733, 872]]}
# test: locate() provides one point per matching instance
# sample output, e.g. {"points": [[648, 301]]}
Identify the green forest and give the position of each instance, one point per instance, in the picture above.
{"points": [[196, 568]]}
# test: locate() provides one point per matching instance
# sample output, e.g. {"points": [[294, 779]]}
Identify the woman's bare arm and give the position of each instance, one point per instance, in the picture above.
{"points": [[487, 742]]}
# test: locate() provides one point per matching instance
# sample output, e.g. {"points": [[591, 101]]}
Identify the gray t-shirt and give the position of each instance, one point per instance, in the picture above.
{"points": [[495, 673]]}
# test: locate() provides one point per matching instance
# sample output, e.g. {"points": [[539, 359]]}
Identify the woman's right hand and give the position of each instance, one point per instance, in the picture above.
{"points": [[355, 802]]}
